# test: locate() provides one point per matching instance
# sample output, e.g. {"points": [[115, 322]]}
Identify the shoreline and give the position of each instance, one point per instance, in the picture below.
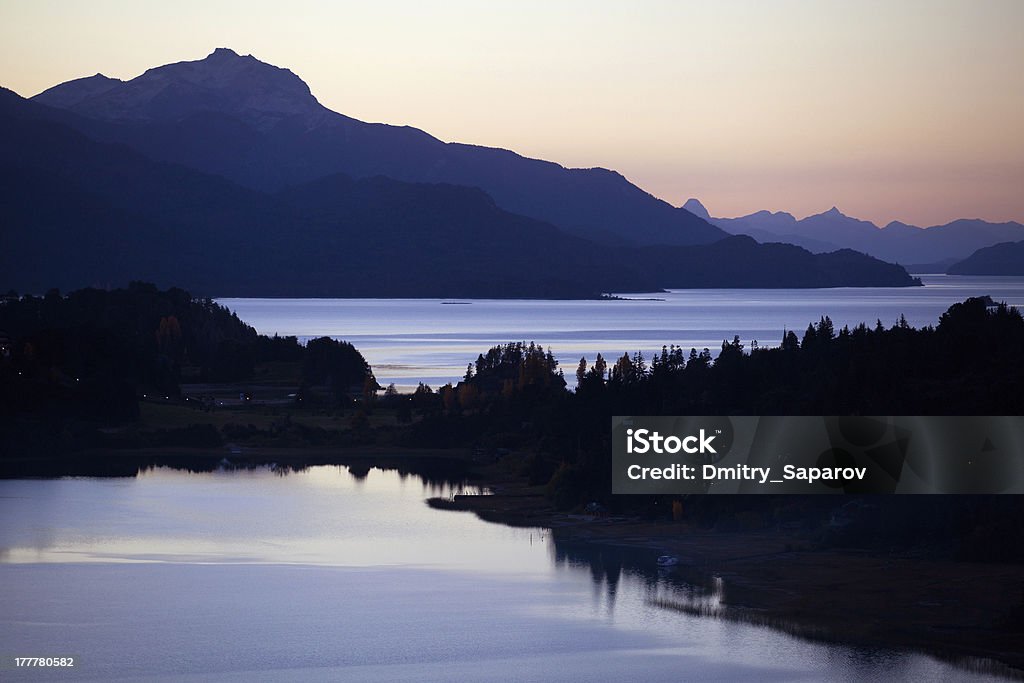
{"points": [[127, 462], [967, 613]]}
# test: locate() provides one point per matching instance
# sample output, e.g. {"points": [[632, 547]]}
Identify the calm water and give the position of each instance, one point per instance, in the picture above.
{"points": [[320, 575], [427, 340]]}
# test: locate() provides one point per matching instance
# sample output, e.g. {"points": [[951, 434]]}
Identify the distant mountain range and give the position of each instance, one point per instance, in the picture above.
{"points": [[226, 176], [896, 242]]}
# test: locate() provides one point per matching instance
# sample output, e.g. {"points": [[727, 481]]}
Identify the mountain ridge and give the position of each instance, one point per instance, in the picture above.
{"points": [[283, 138], [263, 95], [897, 242], [81, 211], [1005, 258]]}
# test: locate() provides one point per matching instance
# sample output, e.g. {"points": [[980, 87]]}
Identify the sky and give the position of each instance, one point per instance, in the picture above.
{"points": [[907, 110]]}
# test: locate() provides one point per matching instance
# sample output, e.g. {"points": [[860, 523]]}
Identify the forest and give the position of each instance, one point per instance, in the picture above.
{"points": [[76, 364], [514, 397]]}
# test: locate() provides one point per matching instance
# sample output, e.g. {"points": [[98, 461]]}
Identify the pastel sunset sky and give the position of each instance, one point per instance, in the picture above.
{"points": [[907, 110]]}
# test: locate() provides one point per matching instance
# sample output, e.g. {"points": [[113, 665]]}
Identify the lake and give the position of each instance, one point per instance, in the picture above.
{"points": [[408, 341], [328, 575]]}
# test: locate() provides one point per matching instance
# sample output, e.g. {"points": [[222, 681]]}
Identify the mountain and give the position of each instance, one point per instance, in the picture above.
{"points": [[897, 242], [258, 94], [955, 239], [697, 209], [78, 211], [261, 127], [768, 227], [836, 227], [740, 261], [1006, 258], [80, 90]]}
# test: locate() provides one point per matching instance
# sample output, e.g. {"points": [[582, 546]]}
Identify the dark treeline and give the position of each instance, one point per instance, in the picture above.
{"points": [[968, 364], [92, 354], [136, 339]]}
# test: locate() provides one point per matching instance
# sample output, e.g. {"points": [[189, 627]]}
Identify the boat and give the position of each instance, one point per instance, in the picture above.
{"points": [[668, 561]]}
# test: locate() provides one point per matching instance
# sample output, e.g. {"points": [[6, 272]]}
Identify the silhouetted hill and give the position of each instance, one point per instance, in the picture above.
{"points": [[1006, 258], [957, 238], [896, 242], [260, 126], [81, 212], [740, 261], [78, 212], [416, 239]]}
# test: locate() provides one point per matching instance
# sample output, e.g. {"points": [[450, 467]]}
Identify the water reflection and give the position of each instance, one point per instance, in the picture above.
{"points": [[433, 471], [328, 554], [684, 588], [695, 592], [324, 514]]}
